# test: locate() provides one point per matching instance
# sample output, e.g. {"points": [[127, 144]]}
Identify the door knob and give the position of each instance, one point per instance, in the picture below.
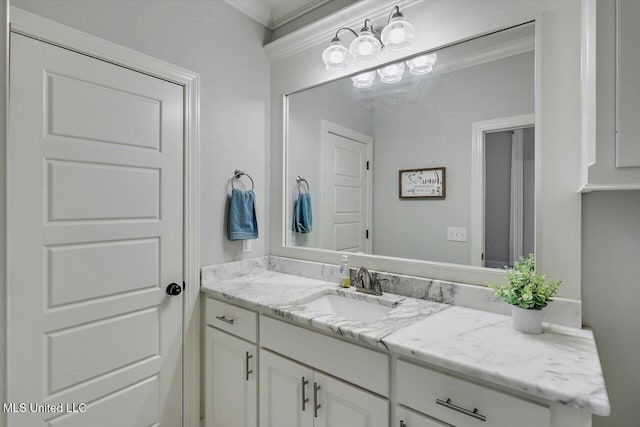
{"points": [[174, 289]]}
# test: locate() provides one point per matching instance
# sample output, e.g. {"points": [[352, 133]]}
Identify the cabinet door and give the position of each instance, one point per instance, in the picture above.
{"points": [[230, 381], [286, 392], [339, 405], [408, 418]]}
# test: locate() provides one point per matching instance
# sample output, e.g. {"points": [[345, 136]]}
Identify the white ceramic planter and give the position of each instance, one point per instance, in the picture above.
{"points": [[528, 321]]}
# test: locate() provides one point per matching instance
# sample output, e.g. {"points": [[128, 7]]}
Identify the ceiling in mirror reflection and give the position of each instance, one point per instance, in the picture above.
{"points": [[351, 142]]}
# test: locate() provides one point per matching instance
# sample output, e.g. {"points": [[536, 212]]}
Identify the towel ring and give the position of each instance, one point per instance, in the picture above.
{"points": [[300, 180], [237, 174]]}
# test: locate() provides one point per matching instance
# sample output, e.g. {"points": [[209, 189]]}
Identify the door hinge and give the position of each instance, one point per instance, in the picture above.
{"points": [[367, 164], [366, 234], [482, 257], [184, 286]]}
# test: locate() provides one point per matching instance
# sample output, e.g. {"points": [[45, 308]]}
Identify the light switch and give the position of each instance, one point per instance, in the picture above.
{"points": [[246, 246], [457, 234]]}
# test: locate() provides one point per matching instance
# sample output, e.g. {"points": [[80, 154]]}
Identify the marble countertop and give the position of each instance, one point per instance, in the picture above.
{"points": [[561, 365]]}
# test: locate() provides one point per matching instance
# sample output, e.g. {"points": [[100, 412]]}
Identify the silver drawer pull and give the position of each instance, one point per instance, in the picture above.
{"points": [[225, 320], [316, 405], [305, 399], [474, 414], [246, 365]]}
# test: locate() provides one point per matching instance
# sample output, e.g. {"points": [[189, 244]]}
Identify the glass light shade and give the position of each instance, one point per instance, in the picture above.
{"points": [[391, 73], [398, 34], [422, 64], [365, 47], [364, 80], [336, 57]]}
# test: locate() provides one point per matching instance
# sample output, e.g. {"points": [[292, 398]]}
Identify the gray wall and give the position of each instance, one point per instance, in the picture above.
{"points": [[431, 127], [225, 48], [338, 102], [611, 296]]}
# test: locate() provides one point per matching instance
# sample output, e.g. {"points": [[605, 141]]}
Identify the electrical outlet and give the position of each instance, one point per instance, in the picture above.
{"points": [[457, 234]]}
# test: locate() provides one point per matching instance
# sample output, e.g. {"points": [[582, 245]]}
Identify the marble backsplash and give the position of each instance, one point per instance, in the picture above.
{"points": [[562, 311]]}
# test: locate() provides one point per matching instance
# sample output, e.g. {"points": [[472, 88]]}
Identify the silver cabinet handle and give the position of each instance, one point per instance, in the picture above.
{"points": [[247, 357], [224, 319], [316, 405], [473, 414], [305, 399]]}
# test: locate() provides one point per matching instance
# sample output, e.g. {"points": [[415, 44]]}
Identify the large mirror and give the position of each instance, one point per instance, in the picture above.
{"points": [[429, 158]]}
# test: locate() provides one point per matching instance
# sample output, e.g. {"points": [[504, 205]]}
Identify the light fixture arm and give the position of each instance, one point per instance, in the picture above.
{"points": [[395, 12], [336, 38]]}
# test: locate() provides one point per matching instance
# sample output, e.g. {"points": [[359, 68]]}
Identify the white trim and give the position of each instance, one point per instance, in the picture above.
{"points": [[4, 112], [324, 29], [34, 26], [588, 83], [588, 188], [330, 127], [478, 130]]}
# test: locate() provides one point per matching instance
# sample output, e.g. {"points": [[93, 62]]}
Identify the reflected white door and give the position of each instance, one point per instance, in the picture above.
{"points": [[95, 236], [347, 198]]}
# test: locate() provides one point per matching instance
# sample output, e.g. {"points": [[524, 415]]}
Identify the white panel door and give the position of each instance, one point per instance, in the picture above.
{"points": [[231, 388], [286, 390], [94, 238], [344, 405], [346, 190]]}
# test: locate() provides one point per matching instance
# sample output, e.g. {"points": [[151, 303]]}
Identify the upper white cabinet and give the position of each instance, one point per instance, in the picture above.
{"points": [[611, 95]]}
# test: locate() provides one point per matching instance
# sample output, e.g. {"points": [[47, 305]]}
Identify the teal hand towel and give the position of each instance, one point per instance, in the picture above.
{"points": [[242, 223], [302, 215]]}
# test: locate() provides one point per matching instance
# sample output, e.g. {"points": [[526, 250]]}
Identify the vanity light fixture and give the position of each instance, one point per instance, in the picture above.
{"points": [[391, 73], [422, 64], [364, 80], [395, 36]]}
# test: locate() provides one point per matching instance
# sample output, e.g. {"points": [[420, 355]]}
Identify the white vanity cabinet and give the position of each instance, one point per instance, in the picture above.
{"points": [[272, 373], [408, 418], [461, 403], [293, 395], [231, 367]]}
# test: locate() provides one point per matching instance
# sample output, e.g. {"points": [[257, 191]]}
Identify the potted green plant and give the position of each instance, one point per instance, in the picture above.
{"points": [[528, 293]]}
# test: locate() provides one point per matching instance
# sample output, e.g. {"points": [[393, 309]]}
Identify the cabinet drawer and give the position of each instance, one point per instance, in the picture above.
{"points": [[232, 319], [408, 418], [366, 368], [453, 400]]}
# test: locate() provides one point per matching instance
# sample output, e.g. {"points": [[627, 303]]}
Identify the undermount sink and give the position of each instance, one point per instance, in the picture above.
{"points": [[350, 308]]}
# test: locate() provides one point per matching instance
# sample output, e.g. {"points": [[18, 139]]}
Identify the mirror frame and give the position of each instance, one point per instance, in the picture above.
{"points": [[296, 66]]}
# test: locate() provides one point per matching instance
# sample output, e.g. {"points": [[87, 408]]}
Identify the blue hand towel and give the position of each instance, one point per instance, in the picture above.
{"points": [[242, 215], [302, 216]]}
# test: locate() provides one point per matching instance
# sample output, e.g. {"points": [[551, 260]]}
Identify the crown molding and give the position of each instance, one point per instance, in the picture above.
{"points": [[324, 29], [263, 14], [278, 22]]}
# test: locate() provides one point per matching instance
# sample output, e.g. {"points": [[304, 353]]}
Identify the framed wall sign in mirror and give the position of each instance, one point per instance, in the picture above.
{"points": [[376, 145], [426, 183]]}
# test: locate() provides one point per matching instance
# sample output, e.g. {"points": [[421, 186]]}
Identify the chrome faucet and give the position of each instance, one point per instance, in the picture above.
{"points": [[365, 284]]}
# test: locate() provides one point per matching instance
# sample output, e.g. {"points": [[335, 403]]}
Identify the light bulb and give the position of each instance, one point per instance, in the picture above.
{"points": [[391, 73], [336, 57], [422, 64], [396, 35], [365, 47], [364, 80]]}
